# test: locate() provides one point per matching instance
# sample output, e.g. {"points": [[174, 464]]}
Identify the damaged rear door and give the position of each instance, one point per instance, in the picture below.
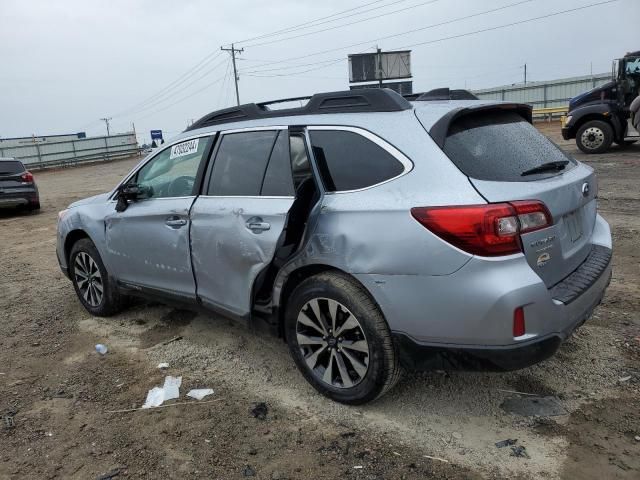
{"points": [[240, 217]]}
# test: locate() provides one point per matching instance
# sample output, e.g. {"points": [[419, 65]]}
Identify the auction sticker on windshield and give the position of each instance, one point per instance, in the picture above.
{"points": [[184, 148]]}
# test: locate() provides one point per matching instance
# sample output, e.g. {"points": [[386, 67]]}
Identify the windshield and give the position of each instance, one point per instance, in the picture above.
{"points": [[501, 146], [632, 66]]}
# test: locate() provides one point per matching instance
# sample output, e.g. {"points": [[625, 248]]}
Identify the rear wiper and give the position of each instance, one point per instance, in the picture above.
{"points": [[546, 167]]}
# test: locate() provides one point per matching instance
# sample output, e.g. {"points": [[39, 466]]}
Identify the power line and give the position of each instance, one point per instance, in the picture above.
{"points": [[375, 40], [162, 100], [437, 40], [313, 23], [441, 39], [224, 84], [182, 99], [153, 99], [178, 81], [343, 25]]}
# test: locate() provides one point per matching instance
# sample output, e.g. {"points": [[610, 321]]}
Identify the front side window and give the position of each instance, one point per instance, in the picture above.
{"points": [[173, 171], [349, 161], [240, 163]]}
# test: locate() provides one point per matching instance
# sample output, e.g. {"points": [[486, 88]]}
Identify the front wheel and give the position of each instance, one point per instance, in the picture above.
{"points": [[594, 136], [339, 339], [91, 281]]}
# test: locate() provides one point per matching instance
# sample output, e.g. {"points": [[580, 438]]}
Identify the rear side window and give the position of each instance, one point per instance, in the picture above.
{"points": [[11, 167], [240, 163], [501, 146], [349, 161]]}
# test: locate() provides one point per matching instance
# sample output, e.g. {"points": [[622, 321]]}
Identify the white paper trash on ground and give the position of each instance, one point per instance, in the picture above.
{"points": [[172, 387], [157, 395], [200, 393]]}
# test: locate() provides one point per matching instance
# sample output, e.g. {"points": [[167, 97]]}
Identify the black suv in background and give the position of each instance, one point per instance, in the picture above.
{"points": [[17, 186]]}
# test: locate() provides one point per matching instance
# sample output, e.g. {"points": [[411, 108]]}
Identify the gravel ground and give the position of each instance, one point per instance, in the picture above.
{"points": [[60, 393]]}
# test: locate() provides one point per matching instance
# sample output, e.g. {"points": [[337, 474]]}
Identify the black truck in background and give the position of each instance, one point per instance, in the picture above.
{"points": [[601, 116]]}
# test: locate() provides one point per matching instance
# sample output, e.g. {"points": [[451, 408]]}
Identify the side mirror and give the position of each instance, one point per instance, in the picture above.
{"points": [[130, 193]]}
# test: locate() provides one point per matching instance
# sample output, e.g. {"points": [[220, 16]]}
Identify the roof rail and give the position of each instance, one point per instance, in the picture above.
{"points": [[441, 94], [347, 101]]}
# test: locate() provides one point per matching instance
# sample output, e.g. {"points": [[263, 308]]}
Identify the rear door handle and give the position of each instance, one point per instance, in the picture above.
{"points": [[175, 222], [256, 225]]}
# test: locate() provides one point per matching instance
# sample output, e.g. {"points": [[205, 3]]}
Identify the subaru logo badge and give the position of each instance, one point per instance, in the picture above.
{"points": [[585, 189]]}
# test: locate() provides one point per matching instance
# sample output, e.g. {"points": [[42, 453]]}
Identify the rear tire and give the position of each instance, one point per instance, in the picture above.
{"points": [[594, 136], [350, 346], [96, 290]]}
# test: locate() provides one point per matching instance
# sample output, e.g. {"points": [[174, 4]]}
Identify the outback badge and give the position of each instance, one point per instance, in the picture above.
{"points": [[543, 259]]}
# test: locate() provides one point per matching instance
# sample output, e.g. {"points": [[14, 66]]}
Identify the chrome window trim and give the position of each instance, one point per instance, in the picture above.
{"points": [[390, 149], [254, 129], [272, 197], [141, 165]]}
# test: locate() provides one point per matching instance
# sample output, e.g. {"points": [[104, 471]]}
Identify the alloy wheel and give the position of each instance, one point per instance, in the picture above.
{"points": [[332, 343], [592, 138], [88, 279]]}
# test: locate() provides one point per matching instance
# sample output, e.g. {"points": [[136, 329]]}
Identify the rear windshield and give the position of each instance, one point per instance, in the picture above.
{"points": [[501, 146], [9, 167]]}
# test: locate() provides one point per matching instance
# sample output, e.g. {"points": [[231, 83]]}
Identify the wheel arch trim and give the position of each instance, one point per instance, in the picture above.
{"points": [[293, 274]]}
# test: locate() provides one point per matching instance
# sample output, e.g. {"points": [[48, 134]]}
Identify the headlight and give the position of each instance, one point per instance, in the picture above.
{"points": [[568, 120]]}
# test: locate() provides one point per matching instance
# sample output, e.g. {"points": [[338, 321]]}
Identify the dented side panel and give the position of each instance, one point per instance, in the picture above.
{"points": [[145, 249], [227, 253]]}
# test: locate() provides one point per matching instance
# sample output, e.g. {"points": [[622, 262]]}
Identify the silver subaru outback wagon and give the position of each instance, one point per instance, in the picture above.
{"points": [[373, 233]]}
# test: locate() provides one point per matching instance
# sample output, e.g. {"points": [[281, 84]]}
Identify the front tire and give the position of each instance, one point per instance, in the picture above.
{"points": [[594, 136], [340, 340], [95, 288]]}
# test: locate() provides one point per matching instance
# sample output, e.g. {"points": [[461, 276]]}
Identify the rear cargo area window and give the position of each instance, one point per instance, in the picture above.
{"points": [[10, 167], [501, 146], [349, 161]]}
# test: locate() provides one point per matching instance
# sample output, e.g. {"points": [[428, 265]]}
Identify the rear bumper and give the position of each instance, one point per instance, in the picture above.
{"points": [[418, 356], [18, 197], [465, 320]]}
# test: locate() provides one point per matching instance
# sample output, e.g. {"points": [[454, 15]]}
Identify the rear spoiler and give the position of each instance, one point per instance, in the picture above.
{"points": [[440, 129]]}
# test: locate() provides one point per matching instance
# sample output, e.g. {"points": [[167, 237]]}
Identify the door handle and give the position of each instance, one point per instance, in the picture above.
{"points": [[175, 222], [256, 225]]}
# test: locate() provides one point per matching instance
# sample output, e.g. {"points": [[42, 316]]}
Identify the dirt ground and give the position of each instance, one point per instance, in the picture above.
{"points": [[60, 393]]}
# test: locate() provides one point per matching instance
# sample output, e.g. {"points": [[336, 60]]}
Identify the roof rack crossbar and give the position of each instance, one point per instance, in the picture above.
{"points": [[441, 94], [283, 100], [348, 101]]}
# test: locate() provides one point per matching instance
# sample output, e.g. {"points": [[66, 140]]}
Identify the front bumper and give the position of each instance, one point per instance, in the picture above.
{"points": [[567, 133]]}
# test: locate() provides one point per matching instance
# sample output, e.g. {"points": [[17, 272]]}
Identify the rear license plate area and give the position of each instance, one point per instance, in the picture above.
{"points": [[573, 221]]}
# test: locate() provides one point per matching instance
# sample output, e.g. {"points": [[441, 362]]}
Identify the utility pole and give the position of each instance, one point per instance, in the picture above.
{"points": [[525, 73], [233, 51], [106, 121]]}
